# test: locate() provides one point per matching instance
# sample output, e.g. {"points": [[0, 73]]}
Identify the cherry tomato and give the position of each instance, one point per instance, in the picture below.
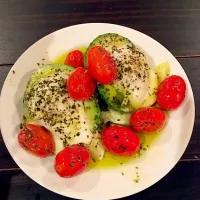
{"points": [[171, 92], [81, 85], [37, 140], [75, 59], [71, 161], [146, 120], [120, 140], [101, 65]]}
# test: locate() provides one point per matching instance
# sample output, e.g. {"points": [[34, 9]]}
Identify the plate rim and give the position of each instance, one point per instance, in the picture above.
{"points": [[90, 24]]}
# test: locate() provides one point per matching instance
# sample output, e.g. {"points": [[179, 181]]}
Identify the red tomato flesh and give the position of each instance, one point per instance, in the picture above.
{"points": [[171, 92], [101, 65], [37, 140], [71, 161], [75, 59], [147, 120], [81, 85], [120, 140]]}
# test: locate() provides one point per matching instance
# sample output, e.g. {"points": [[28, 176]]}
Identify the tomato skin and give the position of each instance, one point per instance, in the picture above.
{"points": [[120, 140], [147, 120], [101, 65], [71, 161], [81, 85], [75, 59], [171, 92], [37, 140]]}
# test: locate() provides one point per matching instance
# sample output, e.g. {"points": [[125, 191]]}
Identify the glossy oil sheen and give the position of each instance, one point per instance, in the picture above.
{"points": [[95, 183], [110, 160], [61, 59]]}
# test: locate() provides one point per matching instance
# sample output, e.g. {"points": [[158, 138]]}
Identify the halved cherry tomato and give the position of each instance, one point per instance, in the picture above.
{"points": [[37, 140], [75, 59], [120, 140], [101, 65], [81, 85], [146, 120], [71, 161], [171, 92]]}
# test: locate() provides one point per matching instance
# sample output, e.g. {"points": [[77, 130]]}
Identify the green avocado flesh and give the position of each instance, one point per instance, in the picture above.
{"points": [[47, 102], [163, 71], [116, 117], [132, 87]]}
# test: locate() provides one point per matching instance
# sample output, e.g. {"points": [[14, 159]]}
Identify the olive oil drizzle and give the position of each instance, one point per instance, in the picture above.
{"points": [[111, 160]]}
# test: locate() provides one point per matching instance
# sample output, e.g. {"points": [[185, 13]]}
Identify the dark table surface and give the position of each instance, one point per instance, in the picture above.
{"points": [[174, 23]]}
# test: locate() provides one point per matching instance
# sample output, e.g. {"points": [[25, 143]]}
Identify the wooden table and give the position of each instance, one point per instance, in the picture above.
{"points": [[174, 23]]}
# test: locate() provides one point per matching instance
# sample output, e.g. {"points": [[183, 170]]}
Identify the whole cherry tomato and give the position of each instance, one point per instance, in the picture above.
{"points": [[71, 161], [37, 140], [146, 120], [101, 65], [75, 59], [81, 85], [120, 140], [171, 92]]}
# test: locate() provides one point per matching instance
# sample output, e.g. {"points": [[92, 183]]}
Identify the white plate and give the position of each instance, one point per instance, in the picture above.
{"points": [[95, 184]]}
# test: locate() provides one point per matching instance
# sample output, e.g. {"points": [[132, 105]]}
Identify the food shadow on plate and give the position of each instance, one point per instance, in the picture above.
{"points": [[185, 125], [90, 179], [165, 135], [183, 110], [18, 101], [48, 164], [37, 55]]}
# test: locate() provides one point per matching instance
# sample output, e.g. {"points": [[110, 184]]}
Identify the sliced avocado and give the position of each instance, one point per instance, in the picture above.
{"points": [[47, 102], [110, 42], [151, 97], [96, 147], [93, 113], [163, 71], [42, 72], [48, 70], [131, 87], [116, 117], [112, 97]]}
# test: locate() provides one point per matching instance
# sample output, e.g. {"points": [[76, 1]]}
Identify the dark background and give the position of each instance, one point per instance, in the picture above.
{"points": [[173, 23]]}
